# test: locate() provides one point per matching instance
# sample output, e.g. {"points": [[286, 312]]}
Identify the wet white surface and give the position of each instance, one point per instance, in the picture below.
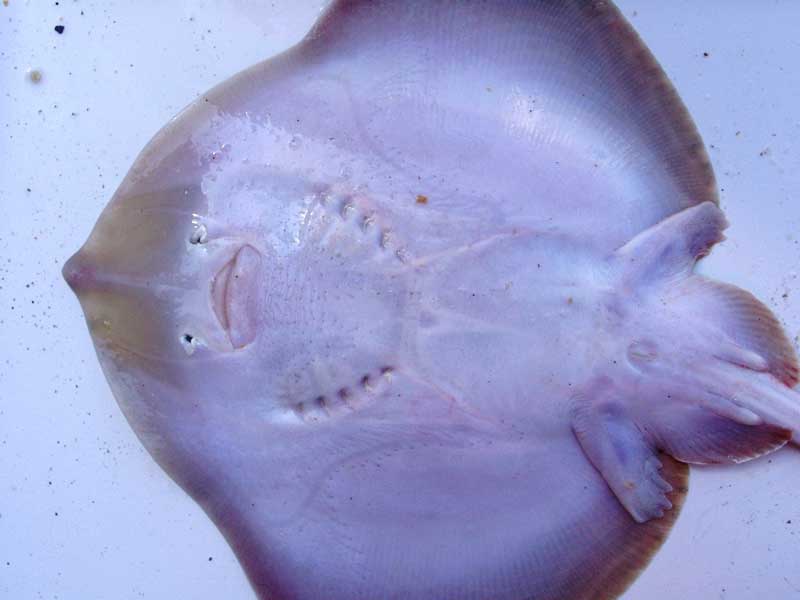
{"points": [[85, 513]]}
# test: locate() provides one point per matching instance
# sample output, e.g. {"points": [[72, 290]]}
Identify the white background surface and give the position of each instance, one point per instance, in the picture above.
{"points": [[86, 514]]}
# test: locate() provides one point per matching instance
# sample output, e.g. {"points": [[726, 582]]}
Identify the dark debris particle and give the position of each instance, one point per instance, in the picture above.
{"points": [[210, 558], [422, 199], [706, 54], [59, 29]]}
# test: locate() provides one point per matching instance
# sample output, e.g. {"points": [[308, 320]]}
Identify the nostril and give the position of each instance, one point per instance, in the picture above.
{"points": [[199, 234], [190, 343]]}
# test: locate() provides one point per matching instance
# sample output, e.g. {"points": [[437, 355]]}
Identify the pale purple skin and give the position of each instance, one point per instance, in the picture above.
{"points": [[410, 309]]}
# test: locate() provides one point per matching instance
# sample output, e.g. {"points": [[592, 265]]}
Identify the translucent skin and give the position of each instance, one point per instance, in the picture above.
{"points": [[410, 309]]}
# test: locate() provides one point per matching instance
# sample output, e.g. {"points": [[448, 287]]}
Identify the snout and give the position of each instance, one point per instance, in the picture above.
{"points": [[142, 282]]}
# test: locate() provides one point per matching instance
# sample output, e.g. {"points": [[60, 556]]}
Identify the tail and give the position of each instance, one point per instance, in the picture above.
{"points": [[758, 367], [731, 350]]}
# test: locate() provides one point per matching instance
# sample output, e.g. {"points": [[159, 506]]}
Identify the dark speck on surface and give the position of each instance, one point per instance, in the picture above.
{"points": [[59, 29], [706, 54], [422, 199]]}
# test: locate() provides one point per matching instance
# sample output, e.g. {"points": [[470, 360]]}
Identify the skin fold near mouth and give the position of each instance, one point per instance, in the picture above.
{"points": [[235, 296]]}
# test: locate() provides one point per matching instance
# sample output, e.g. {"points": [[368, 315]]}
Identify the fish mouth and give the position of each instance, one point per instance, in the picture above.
{"points": [[236, 298]]}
